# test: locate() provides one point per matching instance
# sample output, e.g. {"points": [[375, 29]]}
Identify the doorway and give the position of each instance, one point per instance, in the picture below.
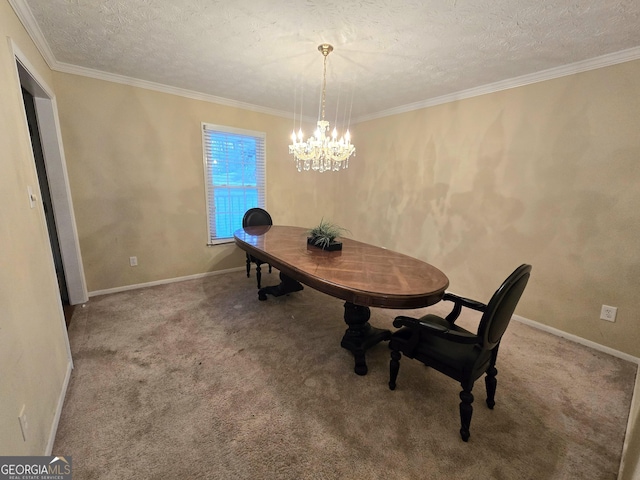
{"points": [[42, 119], [45, 195]]}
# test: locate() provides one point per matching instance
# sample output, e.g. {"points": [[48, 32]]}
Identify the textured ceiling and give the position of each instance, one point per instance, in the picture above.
{"points": [[388, 53]]}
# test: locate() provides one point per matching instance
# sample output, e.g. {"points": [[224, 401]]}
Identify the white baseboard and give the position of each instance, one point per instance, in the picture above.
{"points": [[630, 466], [610, 351], [577, 339], [56, 417], [95, 293]]}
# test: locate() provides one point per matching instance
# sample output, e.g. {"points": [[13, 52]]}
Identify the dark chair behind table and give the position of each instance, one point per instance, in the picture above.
{"points": [[255, 217], [462, 355]]}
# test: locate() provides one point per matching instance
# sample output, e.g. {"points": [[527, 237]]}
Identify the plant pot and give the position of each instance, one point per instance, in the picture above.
{"points": [[332, 247]]}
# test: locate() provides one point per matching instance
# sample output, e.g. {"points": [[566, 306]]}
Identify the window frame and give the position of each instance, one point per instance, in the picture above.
{"points": [[209, 186]]}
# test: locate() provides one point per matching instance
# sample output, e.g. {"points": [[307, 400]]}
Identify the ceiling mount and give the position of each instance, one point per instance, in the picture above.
{"points": [[325, 49]]}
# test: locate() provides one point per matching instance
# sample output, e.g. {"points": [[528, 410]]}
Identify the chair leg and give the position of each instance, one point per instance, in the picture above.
{"points": [[491, 383], [466, 410], [258, 273], [490, 379], [248, 265], [394, 367]]}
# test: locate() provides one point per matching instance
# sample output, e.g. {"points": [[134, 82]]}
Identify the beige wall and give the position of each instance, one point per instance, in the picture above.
{"points": [[33, 345], [136, 170], [547, 174]]}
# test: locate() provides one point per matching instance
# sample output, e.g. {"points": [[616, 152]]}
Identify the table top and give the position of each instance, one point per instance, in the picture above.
{"points": [[360, 273]]}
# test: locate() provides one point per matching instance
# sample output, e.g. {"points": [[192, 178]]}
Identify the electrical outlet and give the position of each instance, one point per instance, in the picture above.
{"points": [[24, 425], [32, 197], [608, 313], [133, 261]]}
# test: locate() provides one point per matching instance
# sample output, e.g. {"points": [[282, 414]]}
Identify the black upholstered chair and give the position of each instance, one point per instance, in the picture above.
{"points": [[253, 217], [464, 356]]}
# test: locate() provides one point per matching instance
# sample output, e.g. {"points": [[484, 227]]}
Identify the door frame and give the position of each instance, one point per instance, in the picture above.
{"points": [[55, 164]]}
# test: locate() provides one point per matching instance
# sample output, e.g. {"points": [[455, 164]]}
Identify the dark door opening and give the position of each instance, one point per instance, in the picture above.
{"points": [[45, 195]]}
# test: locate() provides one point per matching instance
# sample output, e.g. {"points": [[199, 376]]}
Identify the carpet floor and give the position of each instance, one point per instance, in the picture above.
{"points": [[198, 379]]}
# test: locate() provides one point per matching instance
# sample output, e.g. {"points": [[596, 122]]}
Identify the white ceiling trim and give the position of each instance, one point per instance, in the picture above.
{"points": [[563, 71], [550, 74], [28, 21], [31, 26], [26, 17], [158, 87]]}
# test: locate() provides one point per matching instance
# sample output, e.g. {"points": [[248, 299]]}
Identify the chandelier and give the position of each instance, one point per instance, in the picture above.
{"points": [[322, 152]]}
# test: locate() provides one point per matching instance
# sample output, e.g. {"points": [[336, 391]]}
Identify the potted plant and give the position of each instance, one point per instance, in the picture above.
{"points": [[324, 236]]}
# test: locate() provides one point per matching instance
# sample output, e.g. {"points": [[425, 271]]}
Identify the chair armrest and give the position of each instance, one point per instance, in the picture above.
{"points": [[465, 302], [460, 302]]}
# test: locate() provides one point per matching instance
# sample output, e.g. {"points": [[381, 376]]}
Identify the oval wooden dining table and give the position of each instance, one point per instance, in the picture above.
{"points": [[362, 275]]}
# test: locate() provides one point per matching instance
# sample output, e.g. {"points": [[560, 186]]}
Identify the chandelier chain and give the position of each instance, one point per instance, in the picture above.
{"points": [[324, 81]]}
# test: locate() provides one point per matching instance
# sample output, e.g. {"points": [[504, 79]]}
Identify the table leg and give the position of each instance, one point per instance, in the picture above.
{"points": [[360, 335], [287, 285]]}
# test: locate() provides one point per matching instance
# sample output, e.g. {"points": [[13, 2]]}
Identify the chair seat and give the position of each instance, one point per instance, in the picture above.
{"points": [[443, 355]]}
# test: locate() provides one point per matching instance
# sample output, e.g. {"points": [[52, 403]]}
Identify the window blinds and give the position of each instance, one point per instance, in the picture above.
{"points": [[234, 164]]}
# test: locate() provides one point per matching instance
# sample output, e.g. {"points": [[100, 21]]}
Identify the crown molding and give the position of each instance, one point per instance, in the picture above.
{"points": [[31, 26], [557, 72], [22, 10], [26, 17], [158, 87]]}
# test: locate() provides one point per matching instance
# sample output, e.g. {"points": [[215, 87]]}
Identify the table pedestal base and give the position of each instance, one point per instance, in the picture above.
{"points": [[287, 285], [360, 336]]}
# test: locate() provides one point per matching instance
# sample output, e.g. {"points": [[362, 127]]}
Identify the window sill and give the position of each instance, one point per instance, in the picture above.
{"points": [[224, 241]]}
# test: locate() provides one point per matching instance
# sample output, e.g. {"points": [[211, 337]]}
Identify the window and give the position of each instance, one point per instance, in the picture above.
{"points": [[234, 169]]}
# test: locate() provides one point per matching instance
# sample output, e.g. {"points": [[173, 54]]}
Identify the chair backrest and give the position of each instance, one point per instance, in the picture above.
{"points": [[256, 216], [500, 308]]}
